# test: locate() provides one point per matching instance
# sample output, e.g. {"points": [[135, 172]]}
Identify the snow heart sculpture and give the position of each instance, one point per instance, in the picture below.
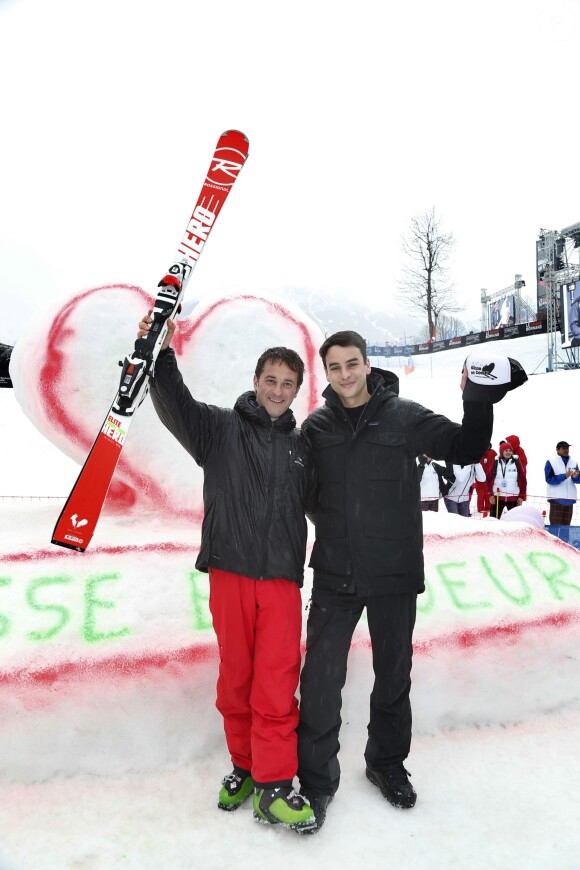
{"points": [[65, 376]]}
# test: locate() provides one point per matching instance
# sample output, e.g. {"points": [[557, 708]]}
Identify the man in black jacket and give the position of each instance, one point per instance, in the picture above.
{"points": [[369, 553], [258, 480]]}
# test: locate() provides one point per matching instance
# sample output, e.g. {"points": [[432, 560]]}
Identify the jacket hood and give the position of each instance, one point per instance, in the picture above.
{"points": [[389, 380], [247, 407], [514, 441]]}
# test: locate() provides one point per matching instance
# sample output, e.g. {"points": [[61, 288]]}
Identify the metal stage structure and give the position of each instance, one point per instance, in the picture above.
{"points": [[555, 251], [520, 308]]}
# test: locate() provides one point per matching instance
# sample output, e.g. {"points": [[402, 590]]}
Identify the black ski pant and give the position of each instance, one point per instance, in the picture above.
{"points": [[331, 622]]}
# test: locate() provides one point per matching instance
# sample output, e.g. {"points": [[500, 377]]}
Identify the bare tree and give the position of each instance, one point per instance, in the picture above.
{"points": [[424, 285]]}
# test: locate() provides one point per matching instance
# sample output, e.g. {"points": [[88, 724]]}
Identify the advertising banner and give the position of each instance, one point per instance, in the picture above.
{"points": [[570, 307], [502, 312], [513, 331]]}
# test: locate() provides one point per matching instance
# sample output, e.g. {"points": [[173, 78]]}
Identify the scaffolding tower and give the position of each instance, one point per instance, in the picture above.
{"points": [[554, 260]]}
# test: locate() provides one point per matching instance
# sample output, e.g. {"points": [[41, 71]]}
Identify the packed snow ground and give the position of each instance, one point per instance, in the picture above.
{"points": [[112, 770]]}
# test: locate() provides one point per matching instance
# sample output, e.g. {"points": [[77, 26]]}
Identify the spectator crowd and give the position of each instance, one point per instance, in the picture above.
{"points": [[499, 480]]}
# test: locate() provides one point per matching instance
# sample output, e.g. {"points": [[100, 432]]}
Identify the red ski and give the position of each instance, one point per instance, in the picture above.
{"points": [[78, 519]]}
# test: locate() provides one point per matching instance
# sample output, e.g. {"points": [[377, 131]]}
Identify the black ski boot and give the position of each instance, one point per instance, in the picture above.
{"points": [[393, 781]]}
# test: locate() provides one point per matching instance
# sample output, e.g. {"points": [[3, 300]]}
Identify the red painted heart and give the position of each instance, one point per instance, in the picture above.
{"points": [[65, 376]]}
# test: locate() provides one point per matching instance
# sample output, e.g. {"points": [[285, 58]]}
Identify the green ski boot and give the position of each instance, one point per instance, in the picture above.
{"points": [[236, 788], [283, 806]]}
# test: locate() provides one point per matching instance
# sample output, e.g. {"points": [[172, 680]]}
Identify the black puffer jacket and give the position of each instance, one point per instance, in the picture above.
{"points": [[369, 532], [258, 478]]}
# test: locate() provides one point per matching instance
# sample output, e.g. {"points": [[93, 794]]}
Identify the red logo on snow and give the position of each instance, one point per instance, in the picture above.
{"points": [[225, 166]]}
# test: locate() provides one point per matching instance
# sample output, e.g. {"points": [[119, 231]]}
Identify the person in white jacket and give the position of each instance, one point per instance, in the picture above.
{"points": [[459, 495], [434, 480], [562, 478]]}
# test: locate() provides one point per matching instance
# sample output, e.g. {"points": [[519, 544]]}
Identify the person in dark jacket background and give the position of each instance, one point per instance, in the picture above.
{"points": [[258, 480], [369, 553]]}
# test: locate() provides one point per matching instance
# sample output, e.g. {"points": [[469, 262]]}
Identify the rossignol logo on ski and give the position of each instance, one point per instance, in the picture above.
{"points": [[113, 429], [225, 166], [196, 233], [77, 524]]}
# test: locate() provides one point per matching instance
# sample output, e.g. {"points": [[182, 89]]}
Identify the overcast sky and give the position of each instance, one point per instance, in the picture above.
{"points": [[360, 115]]}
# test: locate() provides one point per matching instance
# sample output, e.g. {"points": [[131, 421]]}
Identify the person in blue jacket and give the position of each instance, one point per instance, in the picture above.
{"points": [[562, 477]]}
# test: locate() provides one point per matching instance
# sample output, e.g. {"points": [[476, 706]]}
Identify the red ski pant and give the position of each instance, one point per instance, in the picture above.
{"points": [[258, 624], [482, 496]]}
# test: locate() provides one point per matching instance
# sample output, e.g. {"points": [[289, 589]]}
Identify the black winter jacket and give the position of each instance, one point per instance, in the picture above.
{"points": [[258, 478], [369, 532]]}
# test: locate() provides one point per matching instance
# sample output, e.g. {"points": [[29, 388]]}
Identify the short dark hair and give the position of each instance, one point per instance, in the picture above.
{"points": [[346, 338], [283, 355]]}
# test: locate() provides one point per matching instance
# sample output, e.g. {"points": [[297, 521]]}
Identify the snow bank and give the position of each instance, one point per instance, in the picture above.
{"points": [[93, 644]]}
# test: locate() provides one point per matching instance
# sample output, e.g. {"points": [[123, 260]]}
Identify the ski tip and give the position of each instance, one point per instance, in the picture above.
{"points": [[238, 132]]}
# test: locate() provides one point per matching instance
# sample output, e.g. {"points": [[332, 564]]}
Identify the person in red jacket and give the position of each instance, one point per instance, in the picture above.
{"points": [[519, 452], [486, 463], [506, 480]]}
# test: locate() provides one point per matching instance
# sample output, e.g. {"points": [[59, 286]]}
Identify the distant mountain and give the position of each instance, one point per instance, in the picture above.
{"points": [[376, 325], [332, 313]]}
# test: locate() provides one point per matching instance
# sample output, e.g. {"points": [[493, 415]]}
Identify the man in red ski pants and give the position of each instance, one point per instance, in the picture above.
{"points": [[258, 481], [258, 625]]}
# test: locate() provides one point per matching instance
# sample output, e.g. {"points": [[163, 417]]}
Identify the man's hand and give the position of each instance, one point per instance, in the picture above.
{"points": [[145, 326]]}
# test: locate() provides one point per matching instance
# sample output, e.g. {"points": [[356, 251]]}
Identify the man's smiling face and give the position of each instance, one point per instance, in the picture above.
{"points": [[346, 372], [276, 388]]}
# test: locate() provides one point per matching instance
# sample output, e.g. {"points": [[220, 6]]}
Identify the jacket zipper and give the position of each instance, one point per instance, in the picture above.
{"points": [[271, 481]]}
